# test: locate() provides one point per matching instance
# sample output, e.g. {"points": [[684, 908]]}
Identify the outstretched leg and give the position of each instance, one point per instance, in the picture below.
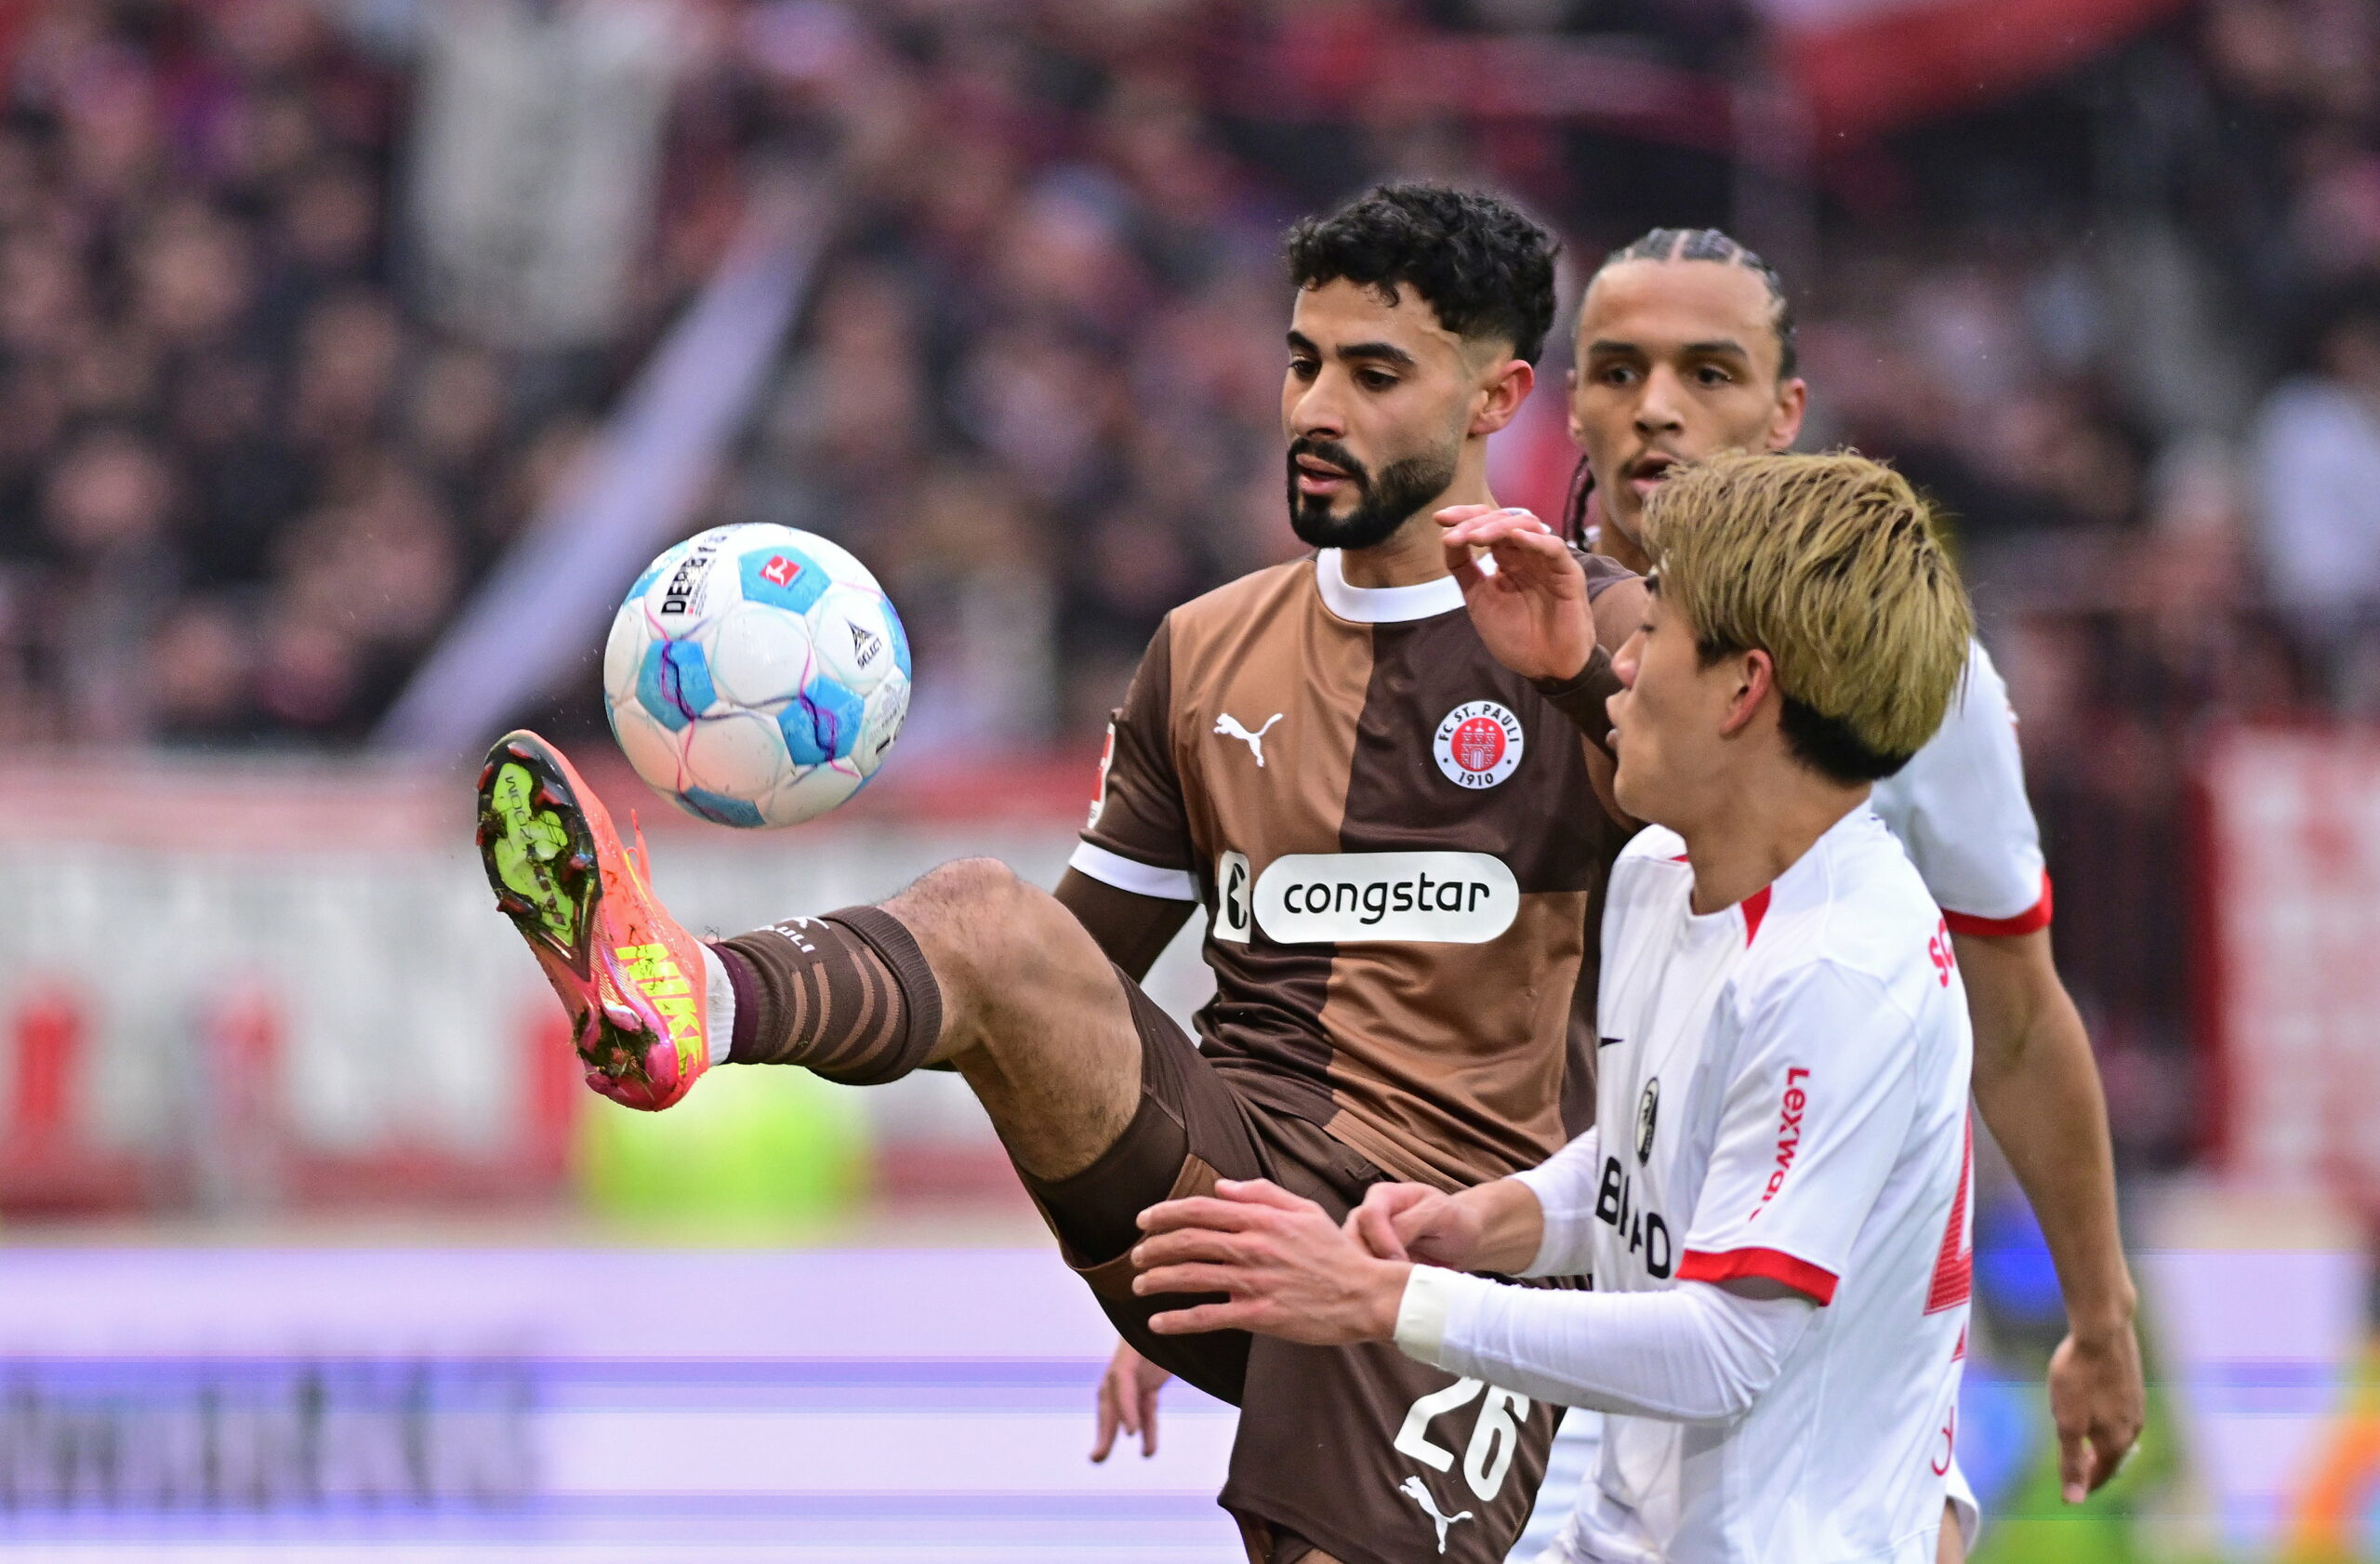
{"points": [[969, 966], [1104, 1104]]}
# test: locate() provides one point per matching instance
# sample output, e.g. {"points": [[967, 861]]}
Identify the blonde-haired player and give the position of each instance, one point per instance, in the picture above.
{"points": [[1773, 1207]]}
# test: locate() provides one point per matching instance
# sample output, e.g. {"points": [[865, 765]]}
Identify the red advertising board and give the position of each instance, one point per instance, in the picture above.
{"points": [[2289, 956]]}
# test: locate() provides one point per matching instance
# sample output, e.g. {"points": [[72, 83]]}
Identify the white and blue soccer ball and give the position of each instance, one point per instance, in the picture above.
{"points": [[757, 675]]}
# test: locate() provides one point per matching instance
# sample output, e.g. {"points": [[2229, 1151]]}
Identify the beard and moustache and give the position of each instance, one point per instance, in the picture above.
{"points": [[1384, 500]]}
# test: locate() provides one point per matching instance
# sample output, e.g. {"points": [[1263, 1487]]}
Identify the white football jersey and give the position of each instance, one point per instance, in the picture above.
{"points": [[1959, 806], [1959, 810], [1783, 1094]]}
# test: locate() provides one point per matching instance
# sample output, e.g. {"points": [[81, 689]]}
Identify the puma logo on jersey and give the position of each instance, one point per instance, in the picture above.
{"points": [[1228, 726], [1411, 1488]]}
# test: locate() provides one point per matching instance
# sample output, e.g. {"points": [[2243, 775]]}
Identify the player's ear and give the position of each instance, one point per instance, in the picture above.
{"points": [[1508, 386], [1570, 409], [1785, 423], [1755, 676]]}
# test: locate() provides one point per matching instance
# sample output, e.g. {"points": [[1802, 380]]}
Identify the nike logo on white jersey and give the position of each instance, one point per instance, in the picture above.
{"points": [[1228, 726], [1411, 1488]]}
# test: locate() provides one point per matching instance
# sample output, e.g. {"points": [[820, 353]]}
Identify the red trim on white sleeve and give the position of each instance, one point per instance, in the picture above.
{"points": [[1814, 1283], [2027, 921]]}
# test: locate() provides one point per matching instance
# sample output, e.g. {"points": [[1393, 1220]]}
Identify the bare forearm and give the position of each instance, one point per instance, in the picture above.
{"points": [[2038, 1088], [1133, 931], [1512, 1225]]}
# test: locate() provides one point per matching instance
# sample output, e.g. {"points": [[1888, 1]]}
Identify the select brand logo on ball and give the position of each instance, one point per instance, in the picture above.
{"points": [[1234, 887], [1479, 744], [1447, 899]]}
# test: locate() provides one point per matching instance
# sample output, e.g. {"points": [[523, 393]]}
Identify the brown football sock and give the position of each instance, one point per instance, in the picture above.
{"points": [[847, 995]]}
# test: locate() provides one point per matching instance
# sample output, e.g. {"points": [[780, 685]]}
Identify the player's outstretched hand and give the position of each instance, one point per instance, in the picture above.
{"points": [[1128, 1400], [1533, 611], [2097, 1403], [1415, 1222], [1284, 1267]]}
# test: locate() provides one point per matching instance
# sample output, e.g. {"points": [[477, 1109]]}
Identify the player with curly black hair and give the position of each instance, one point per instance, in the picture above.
{"points": [[1484, 273], [1384, 824]]}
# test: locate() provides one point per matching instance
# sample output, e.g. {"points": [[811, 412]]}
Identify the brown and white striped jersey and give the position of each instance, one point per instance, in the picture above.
{"points": [[1399, 852]]}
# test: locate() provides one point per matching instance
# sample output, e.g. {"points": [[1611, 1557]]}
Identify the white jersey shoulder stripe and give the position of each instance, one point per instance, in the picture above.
{"points": [[1130, 874]]}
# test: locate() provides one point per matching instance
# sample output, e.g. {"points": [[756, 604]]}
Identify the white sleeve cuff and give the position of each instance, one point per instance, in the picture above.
{"points": [[1424, 1314], [1130, 874]]}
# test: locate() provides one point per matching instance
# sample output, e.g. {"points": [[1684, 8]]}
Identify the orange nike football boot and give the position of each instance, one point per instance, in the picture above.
{"points": [[631, 977]]}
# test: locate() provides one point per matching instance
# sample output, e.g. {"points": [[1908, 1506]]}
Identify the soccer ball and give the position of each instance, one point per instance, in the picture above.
{"points": [[757, 675]]}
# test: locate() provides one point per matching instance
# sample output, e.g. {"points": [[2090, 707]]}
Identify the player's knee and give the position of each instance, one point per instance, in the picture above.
{"points": [[993, 920], [977, 886]]}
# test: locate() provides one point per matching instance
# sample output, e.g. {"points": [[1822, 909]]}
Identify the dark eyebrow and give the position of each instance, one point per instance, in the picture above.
{"points": [[1379, 352], [1721, 347]]}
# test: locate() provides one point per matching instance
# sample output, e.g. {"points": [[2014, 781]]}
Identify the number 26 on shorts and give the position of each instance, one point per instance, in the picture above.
{"points": [[1495, 1433]]}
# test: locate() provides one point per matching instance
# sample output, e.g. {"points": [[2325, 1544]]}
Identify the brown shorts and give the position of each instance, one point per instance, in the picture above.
{"points": [[1360, 1451]]}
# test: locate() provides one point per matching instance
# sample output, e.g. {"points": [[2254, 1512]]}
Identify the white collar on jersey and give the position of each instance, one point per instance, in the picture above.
{"points": [[1381, 605]]}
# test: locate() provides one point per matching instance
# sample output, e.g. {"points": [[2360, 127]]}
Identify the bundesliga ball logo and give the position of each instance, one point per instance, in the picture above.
{"points": [[1478, 745]]}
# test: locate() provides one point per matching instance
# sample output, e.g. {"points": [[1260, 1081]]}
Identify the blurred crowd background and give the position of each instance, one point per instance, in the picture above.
{"points": [[306, 308], [316, 313]]}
